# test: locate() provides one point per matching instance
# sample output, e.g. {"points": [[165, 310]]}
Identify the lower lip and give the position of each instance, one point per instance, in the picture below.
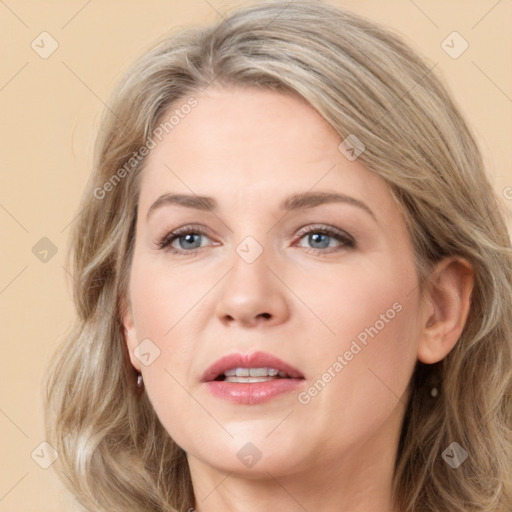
{"points": [[253, 392]]}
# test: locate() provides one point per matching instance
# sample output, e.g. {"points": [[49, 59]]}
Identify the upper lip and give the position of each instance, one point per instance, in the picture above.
{"points": [[253, 360]]}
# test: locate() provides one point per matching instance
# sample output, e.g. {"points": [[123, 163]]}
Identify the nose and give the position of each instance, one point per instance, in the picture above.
{"points": [[252, 295]]}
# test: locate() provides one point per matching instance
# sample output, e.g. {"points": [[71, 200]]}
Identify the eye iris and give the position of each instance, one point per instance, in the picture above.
{"points": [[318, 240], [314, 238], [189, 239]]}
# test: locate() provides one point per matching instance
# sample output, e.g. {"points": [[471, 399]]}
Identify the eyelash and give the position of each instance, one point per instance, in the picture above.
{"points": [[347, 241]]}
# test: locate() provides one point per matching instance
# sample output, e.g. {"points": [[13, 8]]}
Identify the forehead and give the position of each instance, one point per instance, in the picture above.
{"points": [[253, 146]]}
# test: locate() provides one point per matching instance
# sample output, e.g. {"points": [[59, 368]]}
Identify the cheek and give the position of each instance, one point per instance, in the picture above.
{"points": [[374, 298], [164, 304], [160, 315], [374, 351], [161, 297]]}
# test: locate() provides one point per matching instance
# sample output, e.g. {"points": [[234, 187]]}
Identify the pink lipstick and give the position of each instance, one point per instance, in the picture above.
{"points": [[251, 378]]}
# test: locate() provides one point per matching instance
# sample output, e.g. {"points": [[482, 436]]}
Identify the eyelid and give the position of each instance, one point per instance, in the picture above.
{"points": [[346, 240], [180, 231], [334, 231]]}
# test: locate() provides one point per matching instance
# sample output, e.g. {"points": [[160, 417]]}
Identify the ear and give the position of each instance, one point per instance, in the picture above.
{"points": [[446, 306], [130, 336]]}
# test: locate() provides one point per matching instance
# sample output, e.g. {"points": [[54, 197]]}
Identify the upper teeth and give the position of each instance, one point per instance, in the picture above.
{"points": [[254, 372]]}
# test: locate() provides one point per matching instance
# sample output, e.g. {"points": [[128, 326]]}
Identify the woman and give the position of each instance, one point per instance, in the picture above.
{"points": [[293, 283]]}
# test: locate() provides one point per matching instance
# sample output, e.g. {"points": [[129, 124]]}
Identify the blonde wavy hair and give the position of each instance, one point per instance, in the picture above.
{"points": [[114, 454]]}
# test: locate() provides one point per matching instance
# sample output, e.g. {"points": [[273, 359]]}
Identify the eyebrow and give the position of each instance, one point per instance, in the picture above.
{"points": [[294, 202]]}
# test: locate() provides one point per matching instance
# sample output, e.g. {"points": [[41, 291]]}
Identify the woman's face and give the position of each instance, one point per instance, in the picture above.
{"points": [[271, 262]]}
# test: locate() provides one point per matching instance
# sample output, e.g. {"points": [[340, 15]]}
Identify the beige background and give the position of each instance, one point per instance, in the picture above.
{"points": [[50, 110]]}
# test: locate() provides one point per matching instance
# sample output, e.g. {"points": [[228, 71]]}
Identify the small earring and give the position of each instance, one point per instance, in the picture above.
{"points": [[434, 392], [139, 381]]}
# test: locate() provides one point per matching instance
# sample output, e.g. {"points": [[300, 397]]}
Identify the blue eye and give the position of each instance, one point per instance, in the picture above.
{"points": [[188, 237], [320, 238], [189, 240]]}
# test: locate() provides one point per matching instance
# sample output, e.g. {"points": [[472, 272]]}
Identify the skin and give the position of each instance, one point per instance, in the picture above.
{"points": [[302, 301]]}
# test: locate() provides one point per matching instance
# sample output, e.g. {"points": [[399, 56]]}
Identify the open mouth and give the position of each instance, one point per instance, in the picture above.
{"points": [[249, 375], [238, 368], [252, 379]]}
